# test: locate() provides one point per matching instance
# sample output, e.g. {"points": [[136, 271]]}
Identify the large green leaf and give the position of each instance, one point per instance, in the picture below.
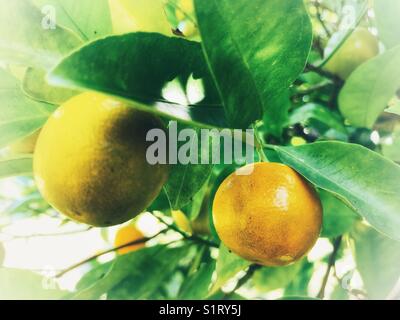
{"points": [[35, 86], [187, 179], [368, 90], [24, 40], [338, 218], [132, 276], [228, 266], [197, 285], [377, 261], [364, 180], [19, 116], [387, 14], [267, 279], [88, 19], [15, 166], [138, 66], [255, 50], [18, 284]]}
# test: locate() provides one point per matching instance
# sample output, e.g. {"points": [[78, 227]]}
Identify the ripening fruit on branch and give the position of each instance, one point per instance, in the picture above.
{"points": [[357, 49], [181, 221], [90, 160], [128, 234], [271, 217]]}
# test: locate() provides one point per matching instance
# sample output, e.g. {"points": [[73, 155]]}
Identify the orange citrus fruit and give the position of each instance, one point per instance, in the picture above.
{"points": [[128, 234], [271, 217], [90, 160]]}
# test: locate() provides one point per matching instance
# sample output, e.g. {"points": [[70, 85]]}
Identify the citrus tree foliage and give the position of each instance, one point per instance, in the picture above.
{"points": [[256, 63]]}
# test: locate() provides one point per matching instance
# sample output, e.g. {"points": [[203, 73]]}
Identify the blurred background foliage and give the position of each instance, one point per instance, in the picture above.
{"points": [[43, 255]]}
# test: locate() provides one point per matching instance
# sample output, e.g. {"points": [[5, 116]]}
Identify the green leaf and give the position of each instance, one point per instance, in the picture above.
{"points": [[35, 86], [338, 218], [15, 166], [139, 15], [228, 266], [253, 57], [387, 17], [25, 285], [299, 286], [185, 180], [85, 18], [132, 276], [19, 116], [369, 89], [363, 179], [317, 112], [130, 67], [268, 279], [24, 40], [377, 261], [196, 287], [392, 151], [276, 116]]}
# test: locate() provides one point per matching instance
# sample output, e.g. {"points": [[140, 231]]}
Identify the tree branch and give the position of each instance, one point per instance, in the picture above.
{"points": [[332, 259], [139, 241]]}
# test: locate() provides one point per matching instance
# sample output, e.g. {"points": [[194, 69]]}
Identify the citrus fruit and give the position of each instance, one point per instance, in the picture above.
{"points": [[182, 222], [128, 234], [357, 49], [271, 217], [90, 160]]}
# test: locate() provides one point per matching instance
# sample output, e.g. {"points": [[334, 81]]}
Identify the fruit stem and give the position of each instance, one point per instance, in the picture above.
{"points": [[186, 236]]}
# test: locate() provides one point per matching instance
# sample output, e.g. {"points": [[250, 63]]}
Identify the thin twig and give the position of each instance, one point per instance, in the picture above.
{"points": [[128, 244], [312, 68], [321, 21], [186, 236], [332, 259]]}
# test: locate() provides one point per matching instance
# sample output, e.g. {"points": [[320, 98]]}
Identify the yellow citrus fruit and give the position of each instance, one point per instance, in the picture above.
{"points": [[357, 49], [271, 217], [90, 160], [181, 221], [25, 145], [139, 15], [128, 234]]}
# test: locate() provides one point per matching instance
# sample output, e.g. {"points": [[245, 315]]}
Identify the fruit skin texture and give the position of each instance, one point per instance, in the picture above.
{"points": [[90, 160], [271, 217], [126, 235], [357, 49]]}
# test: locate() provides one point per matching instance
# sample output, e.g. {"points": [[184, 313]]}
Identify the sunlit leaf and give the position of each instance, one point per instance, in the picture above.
{"points": [[363, 179], [130, 67], [377, 261], [253, 57], [19, 116], [387, 16], [23, 39], [368, 90]]}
